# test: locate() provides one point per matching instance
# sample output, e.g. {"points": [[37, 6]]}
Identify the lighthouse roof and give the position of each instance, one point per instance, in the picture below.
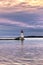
{"points": [[21, 31]]}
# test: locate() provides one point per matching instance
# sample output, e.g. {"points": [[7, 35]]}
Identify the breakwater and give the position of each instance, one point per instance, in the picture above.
{"points": [[18, 38]]}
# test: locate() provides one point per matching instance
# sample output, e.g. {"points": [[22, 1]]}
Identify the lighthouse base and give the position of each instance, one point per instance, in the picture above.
{"points": [[21, 38]]}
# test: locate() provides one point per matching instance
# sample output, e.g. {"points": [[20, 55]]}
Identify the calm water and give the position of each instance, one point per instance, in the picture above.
{"points": [[27, 52]]}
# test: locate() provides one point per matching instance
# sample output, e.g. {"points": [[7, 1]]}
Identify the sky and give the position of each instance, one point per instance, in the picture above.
{"points": [[21, 14]]}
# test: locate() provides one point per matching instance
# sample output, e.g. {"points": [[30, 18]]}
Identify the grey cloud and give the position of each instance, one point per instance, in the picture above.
{"points": [[29, 18], [32, 19]]}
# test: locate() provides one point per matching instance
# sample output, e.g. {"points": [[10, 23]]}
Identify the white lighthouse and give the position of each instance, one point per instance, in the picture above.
{"points": [[22, 35]]}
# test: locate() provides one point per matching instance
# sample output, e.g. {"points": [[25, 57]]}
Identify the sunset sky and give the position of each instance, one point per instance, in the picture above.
{"points": [[21, 14]]}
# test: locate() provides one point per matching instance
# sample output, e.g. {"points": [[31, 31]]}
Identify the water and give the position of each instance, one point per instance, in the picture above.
{"points": [[27, 52]]}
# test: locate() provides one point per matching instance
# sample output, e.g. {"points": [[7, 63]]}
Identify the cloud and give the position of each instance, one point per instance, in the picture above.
{"points": [[22, 19], [15, 14], [8, 6], [22, 14], [11, 3], [20, 24]]}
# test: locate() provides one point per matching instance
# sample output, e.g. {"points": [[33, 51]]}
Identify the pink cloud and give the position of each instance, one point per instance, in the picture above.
{"points": [[21, 24], [6, 21], [20, 7]]}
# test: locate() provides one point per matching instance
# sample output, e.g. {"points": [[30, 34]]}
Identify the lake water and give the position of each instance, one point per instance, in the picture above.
{"points": [[27, 52]]}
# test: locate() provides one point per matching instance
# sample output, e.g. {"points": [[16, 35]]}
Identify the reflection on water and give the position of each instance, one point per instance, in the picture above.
{"points": [[22, 51], [27, 52]]}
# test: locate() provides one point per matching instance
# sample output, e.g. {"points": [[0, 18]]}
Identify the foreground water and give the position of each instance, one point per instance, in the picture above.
{"points": [[27, 52]]}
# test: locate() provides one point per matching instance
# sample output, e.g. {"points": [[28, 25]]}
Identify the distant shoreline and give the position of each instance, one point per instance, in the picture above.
{"points": [[18, 38], [33, 36]]}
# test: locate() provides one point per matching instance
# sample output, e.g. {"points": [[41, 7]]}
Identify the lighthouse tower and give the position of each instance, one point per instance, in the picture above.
{"points": [[22, 35]]}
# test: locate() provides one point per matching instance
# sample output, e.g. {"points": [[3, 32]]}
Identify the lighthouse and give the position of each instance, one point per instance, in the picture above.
{"points": [[22, 35]]}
